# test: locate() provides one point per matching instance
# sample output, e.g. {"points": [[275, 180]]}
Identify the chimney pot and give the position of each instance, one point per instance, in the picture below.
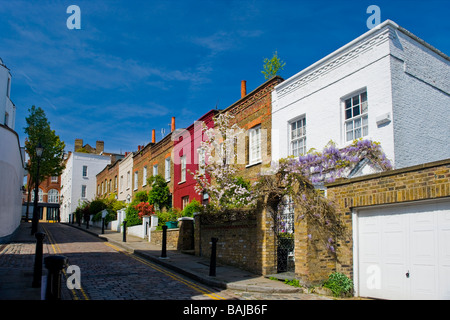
{"points": [[153, 136], [243, 88], [173, 124]]}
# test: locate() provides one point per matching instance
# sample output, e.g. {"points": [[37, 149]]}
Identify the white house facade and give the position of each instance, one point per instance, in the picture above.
{"points": [[11, 161], [125, 190], [78, 180], [387, 85]]}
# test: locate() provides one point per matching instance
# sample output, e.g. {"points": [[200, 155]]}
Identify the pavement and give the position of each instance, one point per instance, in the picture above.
{"points": [[15, 283]]}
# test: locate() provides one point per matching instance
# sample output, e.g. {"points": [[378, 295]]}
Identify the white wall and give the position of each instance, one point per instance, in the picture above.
{"points": [[74, 180], [6, 105], [125, 189], [421, 101], [11, 181], [365, 63]]}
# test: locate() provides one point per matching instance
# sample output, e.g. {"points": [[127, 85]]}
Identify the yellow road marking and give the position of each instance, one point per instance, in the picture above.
{"points": [[191, 285], [57, 249]]}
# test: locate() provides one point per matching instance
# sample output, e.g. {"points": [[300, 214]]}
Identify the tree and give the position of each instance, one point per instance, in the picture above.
{"points": [[218, 175], [159, 195], [272, 66], [38, 131]]}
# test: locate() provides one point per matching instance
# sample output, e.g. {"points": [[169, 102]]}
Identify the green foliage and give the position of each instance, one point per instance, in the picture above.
{"points": [[293, 282], [272, 66], [171, 215], [97, 206], [339, 284], [141, 196], [191, 208], [132, 215], [159, 195]]}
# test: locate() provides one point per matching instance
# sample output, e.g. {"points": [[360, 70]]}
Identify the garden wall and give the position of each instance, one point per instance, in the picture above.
{"points": [[245, 240]]}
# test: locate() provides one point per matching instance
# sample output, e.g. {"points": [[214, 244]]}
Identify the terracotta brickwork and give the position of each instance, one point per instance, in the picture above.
{"points": [[141, 164], [421, 182], [107, 180], [252, 110]]}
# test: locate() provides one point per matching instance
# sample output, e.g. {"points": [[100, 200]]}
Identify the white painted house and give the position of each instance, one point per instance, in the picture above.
{"points": [[387, 85], [125, 191], [11, 161], [78, 180]]}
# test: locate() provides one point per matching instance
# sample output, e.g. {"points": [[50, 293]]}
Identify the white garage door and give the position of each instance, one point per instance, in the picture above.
{"points": [[403, 252]]}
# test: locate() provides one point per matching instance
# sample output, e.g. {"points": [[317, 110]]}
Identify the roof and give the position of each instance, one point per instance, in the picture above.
{"points": [[372, 32]]}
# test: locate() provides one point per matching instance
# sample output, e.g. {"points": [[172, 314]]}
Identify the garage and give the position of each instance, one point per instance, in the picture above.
{"points": [[402, 251]]}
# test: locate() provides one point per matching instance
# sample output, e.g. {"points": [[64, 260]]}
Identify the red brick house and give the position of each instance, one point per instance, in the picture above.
{"points": [[186, 159]]}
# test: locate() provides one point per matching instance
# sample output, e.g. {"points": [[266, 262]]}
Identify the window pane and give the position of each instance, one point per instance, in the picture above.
{"points": [[364, 107], [348, 103], [349, 135], [355, 100], [363, 97], [348, 113], [356, 111]]}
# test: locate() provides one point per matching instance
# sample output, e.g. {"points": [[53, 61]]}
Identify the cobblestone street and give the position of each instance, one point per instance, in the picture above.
{"points": [[108, 273]]}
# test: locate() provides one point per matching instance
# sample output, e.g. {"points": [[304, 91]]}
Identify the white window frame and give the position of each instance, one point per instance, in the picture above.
{"points": [[167, 169], [297, 136], [144, 176], [85, 172], [184, 201], [183, 168], [254, 145], [136, 176], [356, 125], [128, 180], [54, 179], [155, 170], [83, 191], [53, 196]]}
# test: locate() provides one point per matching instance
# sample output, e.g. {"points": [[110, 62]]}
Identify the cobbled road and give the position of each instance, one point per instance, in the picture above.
{"points": [[108, 273]]}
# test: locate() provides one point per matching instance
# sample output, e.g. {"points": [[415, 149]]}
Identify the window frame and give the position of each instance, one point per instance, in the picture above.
{"points": [[182, 169], [298, 138], [254, 158], [360, 121], [167, 169], [84, 173]]}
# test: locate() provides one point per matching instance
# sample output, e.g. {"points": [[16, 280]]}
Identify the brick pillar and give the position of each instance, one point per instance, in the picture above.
{"points": [[265, 237]]}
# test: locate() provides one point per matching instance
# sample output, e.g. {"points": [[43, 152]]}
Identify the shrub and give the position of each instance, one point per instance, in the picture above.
{"points": [[191, 208], [132, 215], [172, 215], [339, 284]]}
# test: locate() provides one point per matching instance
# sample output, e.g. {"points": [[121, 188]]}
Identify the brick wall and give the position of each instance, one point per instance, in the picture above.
{"points": [[252, 110], [247, 242], [141, 159], [421, 182]]}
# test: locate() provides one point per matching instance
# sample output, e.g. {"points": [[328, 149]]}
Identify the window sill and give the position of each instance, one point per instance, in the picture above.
{"points": [[253, 164], [181, 182]]}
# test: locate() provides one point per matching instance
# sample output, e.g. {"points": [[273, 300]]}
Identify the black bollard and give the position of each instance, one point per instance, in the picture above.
{"points": [[103, 225], [54, 264], [164, 242], [212, 265], [37, 274], [124, 231]]}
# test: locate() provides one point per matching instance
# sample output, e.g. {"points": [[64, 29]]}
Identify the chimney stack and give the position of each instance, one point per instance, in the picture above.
{"points": [[243, 88], [99, 147], [78, 144], [153, 136], [173, 124]]}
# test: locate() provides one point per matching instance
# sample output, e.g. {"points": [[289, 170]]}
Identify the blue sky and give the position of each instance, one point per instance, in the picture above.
{"points": [[135, 64]]}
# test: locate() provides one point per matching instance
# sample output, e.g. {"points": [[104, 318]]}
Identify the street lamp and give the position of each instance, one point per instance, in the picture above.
{"points": [[34, 225]]}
